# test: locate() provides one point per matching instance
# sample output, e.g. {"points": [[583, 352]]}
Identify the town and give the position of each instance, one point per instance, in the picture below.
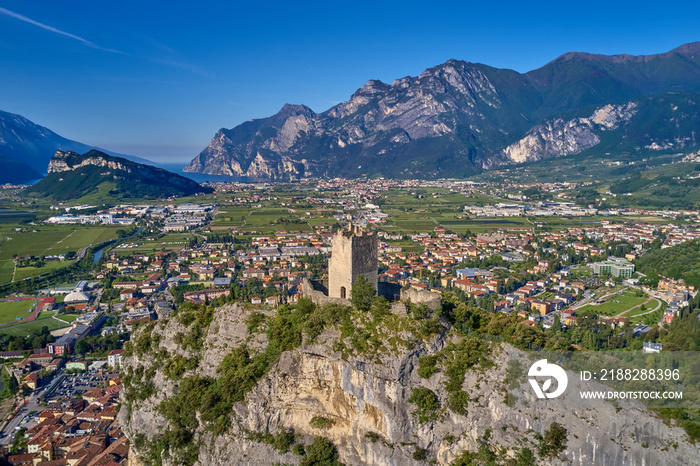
{"points": [[548, 262]]}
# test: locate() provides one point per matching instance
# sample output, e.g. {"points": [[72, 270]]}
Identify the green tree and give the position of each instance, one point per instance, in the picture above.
{"points": [[553, 442], [525, 458], [426, 402], [363, 294], [11, 385], [321, 453], [82, 347]]}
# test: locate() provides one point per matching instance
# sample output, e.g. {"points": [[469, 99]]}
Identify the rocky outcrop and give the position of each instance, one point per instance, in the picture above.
{"points": [[610, 117], [68, 161], [365, 401], [26, 148], [559, 138]]}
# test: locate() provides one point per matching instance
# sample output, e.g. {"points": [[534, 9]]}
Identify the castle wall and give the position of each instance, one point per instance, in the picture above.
{"points": [[318, 297], [430, 299]]}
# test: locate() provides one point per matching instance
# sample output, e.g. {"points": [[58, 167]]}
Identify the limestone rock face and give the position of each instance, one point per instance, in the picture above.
{"points": [[610, 117], [60, 162], [559, 138], [369, 395]]}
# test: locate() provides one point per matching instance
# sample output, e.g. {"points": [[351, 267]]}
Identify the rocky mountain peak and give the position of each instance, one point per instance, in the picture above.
{"points": [[691, 49], [372, 88], [460, 117], [289, 110]]}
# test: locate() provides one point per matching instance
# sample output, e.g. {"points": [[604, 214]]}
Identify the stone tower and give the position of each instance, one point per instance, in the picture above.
{"points": [[354, 254]]}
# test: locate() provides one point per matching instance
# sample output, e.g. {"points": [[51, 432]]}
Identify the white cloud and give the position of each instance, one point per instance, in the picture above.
{"points": [[12, 14]]}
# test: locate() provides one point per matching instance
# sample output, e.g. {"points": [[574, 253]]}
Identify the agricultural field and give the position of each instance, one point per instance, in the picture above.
{"points": [[481, 225], [318, 220], [6, 270], [54, 239], [14, 310], [621, 302], [168, 242], [267, 219], [229, 216], [25, 272], [410, 211], [8, 215], [45, 240]]}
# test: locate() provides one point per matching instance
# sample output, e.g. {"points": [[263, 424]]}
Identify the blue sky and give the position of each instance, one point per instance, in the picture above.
{"points": [[158, 79]]}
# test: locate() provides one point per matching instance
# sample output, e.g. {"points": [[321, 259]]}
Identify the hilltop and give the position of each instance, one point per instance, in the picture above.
{"points": [[370, 388], [72, 176]]}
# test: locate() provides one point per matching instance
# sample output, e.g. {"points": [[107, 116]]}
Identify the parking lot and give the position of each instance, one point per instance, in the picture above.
{"points": [[75, 385]]}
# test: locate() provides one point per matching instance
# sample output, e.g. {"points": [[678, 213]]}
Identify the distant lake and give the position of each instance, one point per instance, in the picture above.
{"points": [[201, 177]]}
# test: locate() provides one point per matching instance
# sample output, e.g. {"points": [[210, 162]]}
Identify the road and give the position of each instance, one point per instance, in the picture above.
{"points": [[8, 433], [587, 296]]}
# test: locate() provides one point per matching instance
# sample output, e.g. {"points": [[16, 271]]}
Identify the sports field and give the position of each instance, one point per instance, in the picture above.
{"points": [[25, 328], [621, 302], [13, 310]]}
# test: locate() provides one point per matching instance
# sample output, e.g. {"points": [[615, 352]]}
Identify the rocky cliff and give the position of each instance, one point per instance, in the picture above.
{"points": [[68, 161], [559, 138], [72, 175], [363, 401], [458, 118]]}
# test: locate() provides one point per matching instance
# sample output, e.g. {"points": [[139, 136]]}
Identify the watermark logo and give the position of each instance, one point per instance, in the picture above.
{"points": [[549, 371]]}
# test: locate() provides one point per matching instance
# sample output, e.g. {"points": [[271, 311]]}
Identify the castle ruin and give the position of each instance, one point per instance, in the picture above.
{"points": [[354, 254]]}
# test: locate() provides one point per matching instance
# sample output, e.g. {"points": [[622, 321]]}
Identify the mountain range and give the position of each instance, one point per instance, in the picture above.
{"points": [[72, 176], [26, 149], [459, 118]]}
